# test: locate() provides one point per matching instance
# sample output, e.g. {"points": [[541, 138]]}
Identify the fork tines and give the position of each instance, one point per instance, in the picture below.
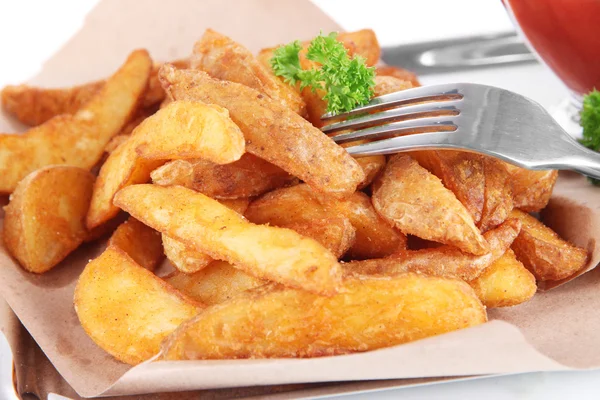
{"points": [[422, 109]]}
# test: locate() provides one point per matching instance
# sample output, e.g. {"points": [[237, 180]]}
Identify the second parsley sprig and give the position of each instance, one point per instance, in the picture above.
{"points": [[348, 82]]}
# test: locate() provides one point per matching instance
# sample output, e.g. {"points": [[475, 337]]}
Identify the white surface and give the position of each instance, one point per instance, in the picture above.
{"points": [[31, 30]]}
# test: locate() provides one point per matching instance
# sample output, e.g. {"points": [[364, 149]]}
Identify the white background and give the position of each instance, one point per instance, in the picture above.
{"points": [[31, 31]]}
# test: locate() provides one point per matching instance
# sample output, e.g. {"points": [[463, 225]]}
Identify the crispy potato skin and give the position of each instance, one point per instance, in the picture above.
{"points": [[417, 203], [463, 173], [224, 59], [498, 200], [272, 132], [266, 252], [543, 252], [443, 260], [247, 177], [398, 73], [369, 313], [182, 129], [505, 283], [184, 257], [218, 282], [125, 309], [531, 189], [389, 84], [187, 258], [78, 140], [296, 208], [33, 105], [44, 220], [142, 243], [374, 237]]}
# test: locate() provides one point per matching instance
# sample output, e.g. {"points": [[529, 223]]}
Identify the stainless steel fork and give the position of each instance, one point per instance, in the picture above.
{"points": [[463, 116]]}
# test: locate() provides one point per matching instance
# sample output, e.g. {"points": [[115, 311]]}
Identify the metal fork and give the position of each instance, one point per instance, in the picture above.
{"points": [[463, 116]]}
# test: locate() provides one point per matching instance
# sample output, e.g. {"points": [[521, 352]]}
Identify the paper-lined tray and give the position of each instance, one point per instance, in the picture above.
{"points": [[535, 336]]}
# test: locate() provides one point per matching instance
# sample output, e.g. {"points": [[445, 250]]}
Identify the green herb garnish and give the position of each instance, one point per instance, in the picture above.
{"points": [[590, 121], [348, 82]]}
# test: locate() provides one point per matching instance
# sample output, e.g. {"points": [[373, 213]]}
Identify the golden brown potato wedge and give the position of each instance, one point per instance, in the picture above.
{"points": [[417, 203], [531, 189], [189, 259], [126, 309], [398, 73], [299, 210], [543, 252], [272, 132], [374, 236], [266, 252], [480, 183], [362, 43], [218, 282], [335, 234], [224, 59], [369, 313], [115, 142], [389, 84], [444, 260], [247, 177], [44, 220], [461, 172], [498, 201], [142, 243], [33, 105], [78, 140], [372, 167], [505, 283], [185, 257], [182, 129]]}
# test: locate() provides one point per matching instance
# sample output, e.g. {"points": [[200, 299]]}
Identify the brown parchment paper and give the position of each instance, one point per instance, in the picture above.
{"points": [[556, 330]]}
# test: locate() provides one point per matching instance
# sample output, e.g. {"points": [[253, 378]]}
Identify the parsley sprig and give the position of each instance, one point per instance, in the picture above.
{"points": [[590, 121], [348, 82]]}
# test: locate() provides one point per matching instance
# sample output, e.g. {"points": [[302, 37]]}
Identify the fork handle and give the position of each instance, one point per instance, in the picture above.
{"points": [[585, 161]]}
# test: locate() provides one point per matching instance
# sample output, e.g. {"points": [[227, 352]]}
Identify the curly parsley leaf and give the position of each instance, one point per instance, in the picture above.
{"points": [[590, 122], [347, 82]]}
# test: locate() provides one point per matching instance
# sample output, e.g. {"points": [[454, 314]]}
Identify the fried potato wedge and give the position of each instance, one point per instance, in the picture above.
{"points": [[182, 129], [480, 183], [335, 234], [374, 236], [190, 129], [417, 203], [531, 189], [218, 282], [78, 140], [273, 133], [498, 201], [369, 313], [505, 283], [543, 252], [44, 220], [461, 172], [362, 43], [224, 59], [125, 309], [372, 167], [187, 258], [265, 252], [33, 105], [444, 260], [398, 73], [142, 243], [389, 84], [247, 177], [299, 210]]}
